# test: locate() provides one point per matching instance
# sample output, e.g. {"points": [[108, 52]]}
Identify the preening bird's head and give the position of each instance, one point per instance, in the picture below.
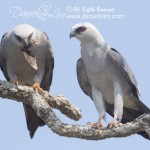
{"points": [[86, 32], [23, 36]]}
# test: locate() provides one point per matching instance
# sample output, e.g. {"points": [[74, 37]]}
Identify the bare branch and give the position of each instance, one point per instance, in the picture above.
{"points": [[42, 105], [83, 132]]}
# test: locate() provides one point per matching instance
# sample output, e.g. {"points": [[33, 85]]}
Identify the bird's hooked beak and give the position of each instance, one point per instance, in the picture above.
{"points": [[72, 34], [26, 44]]}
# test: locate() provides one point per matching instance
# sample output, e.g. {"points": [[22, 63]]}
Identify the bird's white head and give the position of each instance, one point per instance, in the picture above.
{"points": [[86, 32], [23, 36]]}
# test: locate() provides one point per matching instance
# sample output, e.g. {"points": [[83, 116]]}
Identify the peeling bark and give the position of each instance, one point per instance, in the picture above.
{"points": [[44, 102]]}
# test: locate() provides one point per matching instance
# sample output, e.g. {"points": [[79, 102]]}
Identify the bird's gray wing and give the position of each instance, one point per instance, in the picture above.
{"points": [[118, 60], [47, 79], [83, 79], [2, 58], [33, 121]]}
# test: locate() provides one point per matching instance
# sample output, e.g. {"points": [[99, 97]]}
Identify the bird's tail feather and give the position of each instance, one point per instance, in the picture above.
{"points": [[142, 107], [131, 114], [33, 121]]}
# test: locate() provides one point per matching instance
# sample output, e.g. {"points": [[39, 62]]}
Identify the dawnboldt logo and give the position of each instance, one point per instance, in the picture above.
{"points": [[44, 12]]}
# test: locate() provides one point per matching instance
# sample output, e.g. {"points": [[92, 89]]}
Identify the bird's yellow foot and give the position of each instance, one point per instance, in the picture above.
{"points": [[94, 125], [114, 124], [37, 87]]}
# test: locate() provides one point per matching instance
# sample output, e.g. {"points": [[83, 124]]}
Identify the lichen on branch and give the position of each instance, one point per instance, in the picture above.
{"points": [[43, 104]]}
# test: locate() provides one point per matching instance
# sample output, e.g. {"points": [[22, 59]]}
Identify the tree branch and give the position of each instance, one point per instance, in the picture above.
{"points": [[42, 104], [28, 96]]}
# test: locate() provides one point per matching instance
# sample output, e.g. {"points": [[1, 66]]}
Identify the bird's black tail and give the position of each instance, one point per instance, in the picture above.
{"points": [[33, 121], [130, 115], [134, 114]]}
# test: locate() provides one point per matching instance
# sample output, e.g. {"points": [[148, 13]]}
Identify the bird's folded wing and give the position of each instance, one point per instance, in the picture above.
{"points": [[117, 59], [48, 75]]}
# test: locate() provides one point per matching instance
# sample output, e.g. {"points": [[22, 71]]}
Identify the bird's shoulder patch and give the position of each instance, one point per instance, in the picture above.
{"points": [[46, 35], [4, 36], [115, 50]]}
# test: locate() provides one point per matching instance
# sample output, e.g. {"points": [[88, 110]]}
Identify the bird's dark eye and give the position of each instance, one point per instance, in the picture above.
{"points": [[80, 29], [18, 38], [30, 36]]}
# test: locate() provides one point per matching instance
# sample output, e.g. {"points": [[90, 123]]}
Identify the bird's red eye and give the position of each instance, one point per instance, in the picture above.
{"points": [[80, 29]]}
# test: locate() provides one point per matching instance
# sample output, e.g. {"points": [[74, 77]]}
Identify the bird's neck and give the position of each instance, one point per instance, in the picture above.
{"points": [[94, 56], [94, 49]]}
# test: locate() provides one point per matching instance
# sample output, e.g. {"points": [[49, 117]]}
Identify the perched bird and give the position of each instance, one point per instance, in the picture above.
{"points": [[26, 57], [106, 78]]}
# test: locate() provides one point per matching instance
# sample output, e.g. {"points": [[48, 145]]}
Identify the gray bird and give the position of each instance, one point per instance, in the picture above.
{"points": [[106, 78], [26, 57]]}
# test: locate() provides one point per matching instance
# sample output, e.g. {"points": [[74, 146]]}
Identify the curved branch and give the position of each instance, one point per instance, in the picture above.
{"points": [[28, 96], [53, 122], [42, 105]]}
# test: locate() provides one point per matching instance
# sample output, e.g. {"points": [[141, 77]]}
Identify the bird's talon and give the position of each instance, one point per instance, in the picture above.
{"points": [[37, 87], [94, 125], [89, 124], [114, 124], [110, 125]]}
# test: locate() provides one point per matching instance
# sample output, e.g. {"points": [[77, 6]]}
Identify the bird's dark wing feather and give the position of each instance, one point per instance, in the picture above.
{"points": [[47, 79], [127, 74], [2, 58], [118, 60], [128, 114], [83, 79]]}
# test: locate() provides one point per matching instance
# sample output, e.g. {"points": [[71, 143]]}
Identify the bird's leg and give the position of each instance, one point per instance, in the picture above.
{"points": [[115, 118], [115, 122], [37, 87], [99, 123], [98, 101], [118, 106]]}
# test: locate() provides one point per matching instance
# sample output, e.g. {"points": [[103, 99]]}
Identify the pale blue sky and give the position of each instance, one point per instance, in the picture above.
{"points": [[129, 35]]}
